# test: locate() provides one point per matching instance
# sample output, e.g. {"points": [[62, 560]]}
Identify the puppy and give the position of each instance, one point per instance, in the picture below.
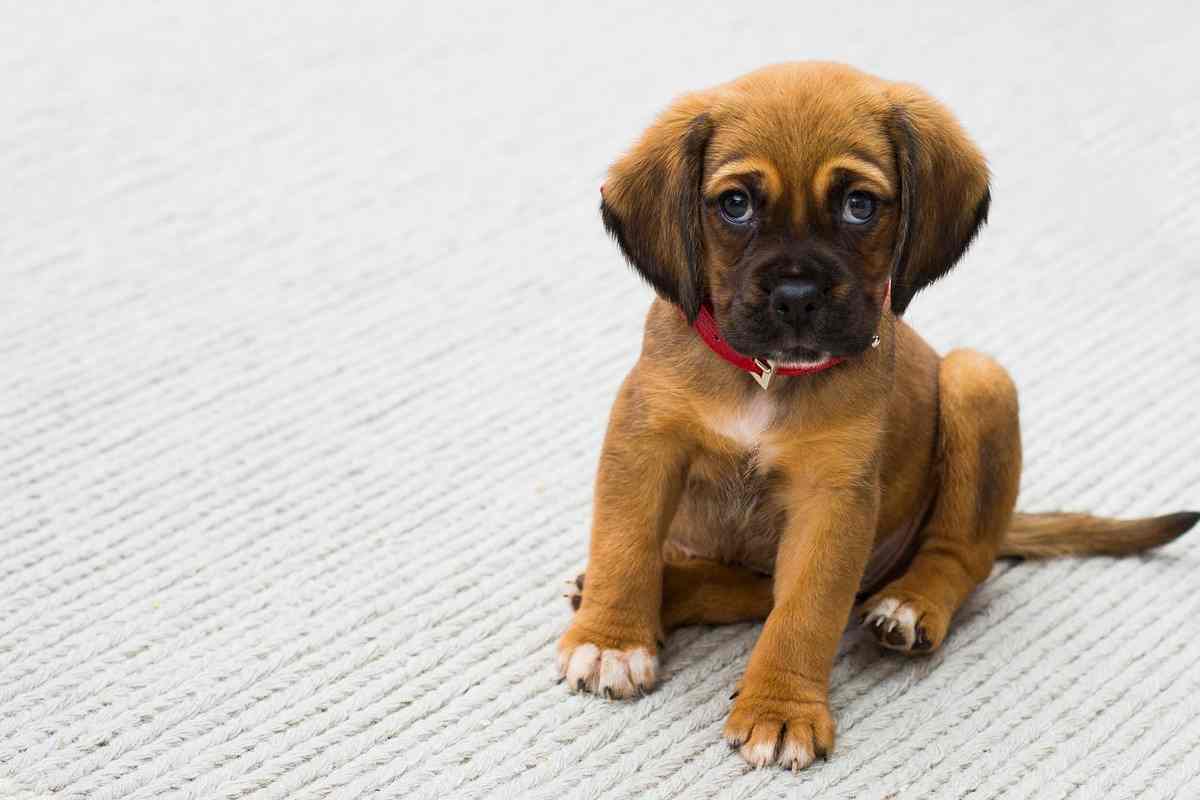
{"points": [[786, 448]]}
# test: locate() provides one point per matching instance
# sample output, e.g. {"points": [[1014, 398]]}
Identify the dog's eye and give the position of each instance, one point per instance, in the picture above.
{"points": [[858, 208], [736, 207]]}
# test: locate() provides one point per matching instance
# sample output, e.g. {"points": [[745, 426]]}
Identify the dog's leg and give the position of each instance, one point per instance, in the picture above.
{"points": [[978, 472], [698, 591], [781, 713], [611, 647], [702, 592]]}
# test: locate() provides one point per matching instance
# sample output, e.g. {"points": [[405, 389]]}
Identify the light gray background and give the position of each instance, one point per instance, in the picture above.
{"points": [[309, 330]]}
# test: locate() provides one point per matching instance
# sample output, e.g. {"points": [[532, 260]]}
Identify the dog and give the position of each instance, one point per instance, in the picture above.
{"points": [[786, 447]]}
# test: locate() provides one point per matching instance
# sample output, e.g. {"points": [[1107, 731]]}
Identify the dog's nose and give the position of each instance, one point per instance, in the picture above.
{"points": [[793, 301]]}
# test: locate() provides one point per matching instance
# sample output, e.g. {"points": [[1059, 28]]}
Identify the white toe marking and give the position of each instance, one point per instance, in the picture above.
{"points": [[760, 755], [906, 616], [643, 667], [890, 615], [886, 607], [795, 755], [583, 667], [614, 674]]}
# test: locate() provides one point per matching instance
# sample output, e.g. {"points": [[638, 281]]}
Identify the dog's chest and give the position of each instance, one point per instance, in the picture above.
{"points": [[730, 510], [746, 425]]}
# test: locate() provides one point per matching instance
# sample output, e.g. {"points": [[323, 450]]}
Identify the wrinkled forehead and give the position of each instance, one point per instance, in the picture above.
{"points": [[802, 137]]}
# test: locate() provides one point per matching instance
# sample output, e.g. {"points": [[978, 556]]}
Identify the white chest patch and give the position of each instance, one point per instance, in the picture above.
{"points": [[747, 423]]}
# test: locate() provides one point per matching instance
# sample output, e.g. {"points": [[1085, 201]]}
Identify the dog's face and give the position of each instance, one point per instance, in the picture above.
{"points": [[790, 198]]}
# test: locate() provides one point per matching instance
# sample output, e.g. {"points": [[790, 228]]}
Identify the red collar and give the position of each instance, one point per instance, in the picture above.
{"points": [[760, 369]]}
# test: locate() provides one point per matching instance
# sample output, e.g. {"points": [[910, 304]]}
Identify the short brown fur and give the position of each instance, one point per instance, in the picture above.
{"points": [[698, 521]]}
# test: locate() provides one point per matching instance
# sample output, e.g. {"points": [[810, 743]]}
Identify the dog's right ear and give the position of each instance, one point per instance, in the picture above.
{"points": [[652, 201]]}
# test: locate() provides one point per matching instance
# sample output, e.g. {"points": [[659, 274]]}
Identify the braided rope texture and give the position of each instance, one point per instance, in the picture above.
{"points": [[308, 334]]}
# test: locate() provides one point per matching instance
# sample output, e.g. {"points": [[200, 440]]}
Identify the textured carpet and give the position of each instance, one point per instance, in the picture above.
{"points": [[309, 330]]}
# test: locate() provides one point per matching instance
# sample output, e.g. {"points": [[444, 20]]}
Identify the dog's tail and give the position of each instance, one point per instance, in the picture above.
{"points": [[1048, 535]]}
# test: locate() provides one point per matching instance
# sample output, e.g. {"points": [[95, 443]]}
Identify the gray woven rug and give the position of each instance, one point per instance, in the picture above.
{"points": [[308, 334]]}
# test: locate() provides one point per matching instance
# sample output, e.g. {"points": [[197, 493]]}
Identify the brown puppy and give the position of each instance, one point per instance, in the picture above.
{"points": [[801, 207]]}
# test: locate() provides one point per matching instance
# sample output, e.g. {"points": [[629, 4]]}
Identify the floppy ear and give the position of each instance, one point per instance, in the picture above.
{"points": [[944, 193], [652, 199]]}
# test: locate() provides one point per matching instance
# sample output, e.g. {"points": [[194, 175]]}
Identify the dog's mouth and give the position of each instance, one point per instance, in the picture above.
{"points": [[783, 350], [757, 334], [793, 357]]}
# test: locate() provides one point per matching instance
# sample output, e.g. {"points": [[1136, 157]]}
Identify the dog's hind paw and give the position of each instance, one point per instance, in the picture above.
{"points": [[574, 593], [906, 623]]}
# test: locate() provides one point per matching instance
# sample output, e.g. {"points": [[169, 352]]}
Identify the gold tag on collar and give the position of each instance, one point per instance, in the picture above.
{"points": [[768, 372]]}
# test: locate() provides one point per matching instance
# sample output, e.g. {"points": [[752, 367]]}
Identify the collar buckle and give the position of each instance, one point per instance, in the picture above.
{"points": [[768, 371]]}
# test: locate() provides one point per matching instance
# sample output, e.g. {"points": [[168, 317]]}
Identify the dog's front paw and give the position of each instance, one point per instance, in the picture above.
{"points": [[904, 621], [615, 666], [767, 729]]}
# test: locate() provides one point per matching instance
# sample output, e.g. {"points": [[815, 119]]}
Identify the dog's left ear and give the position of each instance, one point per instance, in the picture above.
{"points": [[944, 193], [652, 202]]}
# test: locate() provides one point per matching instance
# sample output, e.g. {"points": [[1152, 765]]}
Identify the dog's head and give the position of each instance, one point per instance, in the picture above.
{"points": [[789, 198]]}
